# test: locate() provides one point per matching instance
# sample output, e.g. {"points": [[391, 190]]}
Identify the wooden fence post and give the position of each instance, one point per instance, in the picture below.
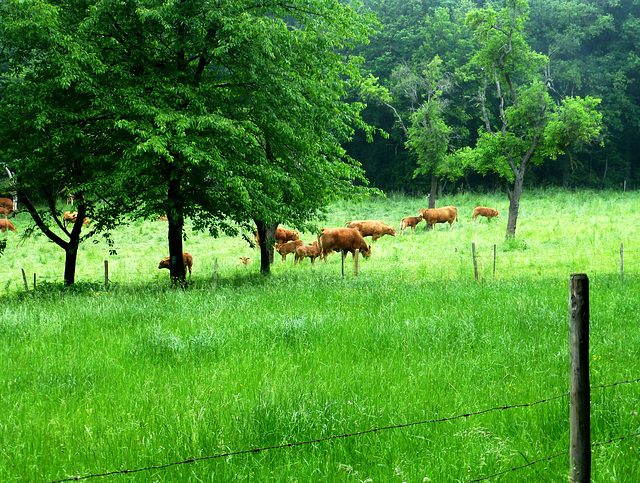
{"points": [[24, 277], [355, 263], [106, 274], [579, 413], [34, 280], [621, 262], [475, 263], [494, 260], [215, 272]]}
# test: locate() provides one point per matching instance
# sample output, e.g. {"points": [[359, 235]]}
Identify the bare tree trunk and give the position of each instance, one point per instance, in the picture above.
{"points": [[70, 247], [175, 218], [514, 204], [432, 193], [267, 236]]}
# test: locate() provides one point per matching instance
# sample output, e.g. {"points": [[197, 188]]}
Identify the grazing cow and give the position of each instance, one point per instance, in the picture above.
{"points": [[6, 206], [6, 225], [312, 251], [343, 239], [72, 216], [410, 221], [282, 236], [373, 228], [187, 260], [482, 211], [244, 261], [448, 214], [163, 218], [285, 249]]}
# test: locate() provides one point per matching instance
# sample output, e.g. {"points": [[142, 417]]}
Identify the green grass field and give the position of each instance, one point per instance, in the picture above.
{"points": [[139, 375]]}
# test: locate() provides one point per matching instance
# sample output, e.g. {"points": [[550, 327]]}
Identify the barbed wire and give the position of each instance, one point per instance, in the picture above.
{"points": [[548, 458], [348, 435]]}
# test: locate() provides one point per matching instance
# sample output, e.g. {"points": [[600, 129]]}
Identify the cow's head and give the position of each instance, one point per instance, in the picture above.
{"points": [[367, 251]]}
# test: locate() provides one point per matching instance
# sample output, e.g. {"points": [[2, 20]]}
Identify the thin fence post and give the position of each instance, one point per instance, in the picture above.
{"points": [[34, 281], [579, 413], [494, 260], [24, 277], [355, 263], [215, 272], [344, 254], [475, 263], [106, 274], [621, 262]]}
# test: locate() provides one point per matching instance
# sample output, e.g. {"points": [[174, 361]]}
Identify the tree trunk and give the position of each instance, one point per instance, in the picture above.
{"points": [[267, 236], [432, 193], [175, 218], [71, 255], [70, 247], [514, 204]]}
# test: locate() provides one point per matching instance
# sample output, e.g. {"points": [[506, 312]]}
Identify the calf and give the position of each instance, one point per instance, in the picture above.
{"points": [[343, 239], [72, 216], [187, 261], [6, 206], [312, 251], [410, 221], [373, 228], [448, 214], [482, 211], [6, 225], [244, 261], [285, 249]]}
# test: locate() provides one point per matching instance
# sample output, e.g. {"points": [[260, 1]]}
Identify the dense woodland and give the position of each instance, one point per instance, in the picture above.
{"points": [[592, 47]]}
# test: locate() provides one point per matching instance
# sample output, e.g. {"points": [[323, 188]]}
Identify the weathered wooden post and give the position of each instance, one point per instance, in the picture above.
{"points": [[621, 262], [215, 272], [106, 274], [24, 278], [475, 263], [355, 263], [494, 260], [344, 255], [579, 414], [34, 281]]}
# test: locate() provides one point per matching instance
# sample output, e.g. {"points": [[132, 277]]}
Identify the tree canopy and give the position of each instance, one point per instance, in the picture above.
{"points": [[223, 112]]}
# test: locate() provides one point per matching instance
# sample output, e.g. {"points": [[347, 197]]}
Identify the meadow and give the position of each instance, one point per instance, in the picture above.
{"points": [[139, 375]]}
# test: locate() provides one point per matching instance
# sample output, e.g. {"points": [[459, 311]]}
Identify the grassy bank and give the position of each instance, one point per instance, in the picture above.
{"points": [[139, 375]]}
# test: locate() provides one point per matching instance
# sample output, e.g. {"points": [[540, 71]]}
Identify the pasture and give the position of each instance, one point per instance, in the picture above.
{"points": [[139, 375]]}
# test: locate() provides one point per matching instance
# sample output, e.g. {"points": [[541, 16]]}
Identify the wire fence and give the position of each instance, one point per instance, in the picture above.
{"points": [[369, 431]]}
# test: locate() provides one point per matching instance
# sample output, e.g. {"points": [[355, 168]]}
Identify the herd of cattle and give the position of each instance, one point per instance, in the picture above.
{"points": [[345, 239], [350, 238]]}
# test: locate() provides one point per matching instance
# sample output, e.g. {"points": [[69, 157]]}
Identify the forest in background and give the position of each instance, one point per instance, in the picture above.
{"points": [[592, 48]]}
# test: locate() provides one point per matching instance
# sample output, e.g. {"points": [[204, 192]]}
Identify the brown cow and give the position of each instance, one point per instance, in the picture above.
{"points": [[482, 211], [187, 260], [344, 239], [244, 261], [410, 221], [285, 249], [6, 206], [282, 236], [373, 228], [6, 225], [72, 216], [448, 214], [312, 251]]}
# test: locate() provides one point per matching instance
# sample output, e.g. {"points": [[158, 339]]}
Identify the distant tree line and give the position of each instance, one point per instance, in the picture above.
{"points": [[592, 50]]}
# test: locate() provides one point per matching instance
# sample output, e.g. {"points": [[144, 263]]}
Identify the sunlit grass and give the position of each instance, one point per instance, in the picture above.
{"points": [[138, 374]]}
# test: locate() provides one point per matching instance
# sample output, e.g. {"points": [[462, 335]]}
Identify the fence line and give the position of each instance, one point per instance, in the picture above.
{"points": [[360, 433], [549, 458]]}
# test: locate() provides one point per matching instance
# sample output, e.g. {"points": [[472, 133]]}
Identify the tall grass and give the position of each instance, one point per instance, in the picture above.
{"points": [[139, 375]]}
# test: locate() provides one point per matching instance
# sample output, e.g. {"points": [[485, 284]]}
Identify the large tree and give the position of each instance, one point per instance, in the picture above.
{"points": [[522, 123], [218, 111]]}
